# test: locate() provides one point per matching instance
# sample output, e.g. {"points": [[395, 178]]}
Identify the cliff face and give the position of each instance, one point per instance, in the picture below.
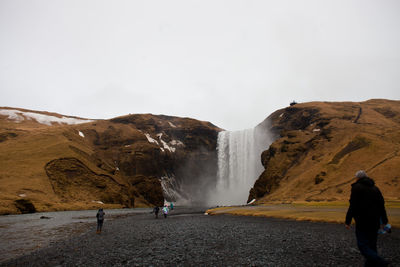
{"points": [[51, 163], [320, 145]]}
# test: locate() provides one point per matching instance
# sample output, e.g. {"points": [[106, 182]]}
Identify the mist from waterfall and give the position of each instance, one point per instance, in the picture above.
{"points": [[239, 164]]}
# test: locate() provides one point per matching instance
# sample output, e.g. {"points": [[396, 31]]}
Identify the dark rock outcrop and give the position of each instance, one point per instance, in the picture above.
{"points": [[133, 153], [25, 206]]}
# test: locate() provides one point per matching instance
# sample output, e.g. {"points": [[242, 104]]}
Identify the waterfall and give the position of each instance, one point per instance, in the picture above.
{"points": [[239, 164]]}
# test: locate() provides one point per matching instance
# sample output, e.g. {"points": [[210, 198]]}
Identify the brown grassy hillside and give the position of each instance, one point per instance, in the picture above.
{"points": [[320, 146], [58, 166]]}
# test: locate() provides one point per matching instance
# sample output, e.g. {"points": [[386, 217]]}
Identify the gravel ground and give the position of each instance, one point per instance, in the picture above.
{"points": [[193, 239], [23, 233]]}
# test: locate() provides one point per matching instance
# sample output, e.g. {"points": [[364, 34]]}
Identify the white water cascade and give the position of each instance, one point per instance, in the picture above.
{"points": [[239, 164]]}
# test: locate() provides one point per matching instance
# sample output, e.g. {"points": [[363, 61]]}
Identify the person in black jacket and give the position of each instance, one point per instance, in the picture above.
{"points": [[156, 210], [100, 219], [367, 207]]}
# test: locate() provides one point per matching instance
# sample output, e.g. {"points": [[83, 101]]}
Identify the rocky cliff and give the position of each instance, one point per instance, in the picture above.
{"points": [[54, 162], [320, 145]]}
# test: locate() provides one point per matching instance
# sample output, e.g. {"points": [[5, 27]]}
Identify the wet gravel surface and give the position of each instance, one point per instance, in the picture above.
{"points": [[193, 239], [24, 233]]}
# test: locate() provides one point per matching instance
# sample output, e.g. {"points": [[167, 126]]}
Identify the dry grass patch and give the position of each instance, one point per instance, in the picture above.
{"points": [[315, 212]]}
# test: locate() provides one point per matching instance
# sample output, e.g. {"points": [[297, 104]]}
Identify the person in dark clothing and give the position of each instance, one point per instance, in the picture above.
{"points": [[156, 210], [367, 207], [100, 219]]}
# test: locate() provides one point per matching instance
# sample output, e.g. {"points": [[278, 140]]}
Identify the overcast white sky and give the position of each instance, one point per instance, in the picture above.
{"points": [[228, 62]]}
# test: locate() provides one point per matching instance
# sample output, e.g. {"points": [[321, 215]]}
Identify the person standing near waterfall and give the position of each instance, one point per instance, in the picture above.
{"points": [[165, 211], [100, 219], [156, 210], [367, 207]]}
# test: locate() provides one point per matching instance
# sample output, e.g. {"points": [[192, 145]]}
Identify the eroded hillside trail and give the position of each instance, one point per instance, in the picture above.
{"points": [[189, 238]]}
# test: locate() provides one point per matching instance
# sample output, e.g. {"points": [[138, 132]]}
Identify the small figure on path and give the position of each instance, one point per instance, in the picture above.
{"points": [[156, 210], [171, 206], [165, 211], [367, 207], [100, 219]]}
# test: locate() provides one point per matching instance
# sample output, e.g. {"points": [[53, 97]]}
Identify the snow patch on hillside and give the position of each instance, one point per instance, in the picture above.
{"points": [[171, 124], [150, 139], [18, 116], [12, 115], [176, 143], [165, 145]]}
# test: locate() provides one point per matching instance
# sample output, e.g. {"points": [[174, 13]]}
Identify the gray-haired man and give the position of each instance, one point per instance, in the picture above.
{"points": [[367, 207]]}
